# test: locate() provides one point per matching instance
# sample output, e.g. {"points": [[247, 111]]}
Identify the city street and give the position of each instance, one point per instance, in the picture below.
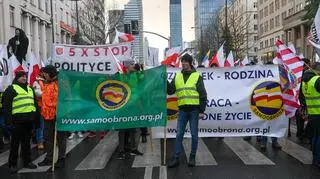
{"points": [[228, 158]]}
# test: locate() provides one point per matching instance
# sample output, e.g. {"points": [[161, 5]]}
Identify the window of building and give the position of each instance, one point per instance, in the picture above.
{"points": [[283, 2], [255, 49], [255, 27], [261, 2], [266, 44], [255, 16], [289, 35], [290, 12], [261, 29], [255, 38], [271, 41], [266, 26], [67, 18], [261, 14], [265, 11], [40, 4], [61, 14], [47, 6], [277, 20], [261, 45], [277, 4], [33, 2], [283, 15], [255, 5], [271, 6], [11, 16], [271, 23], [299, 7]]}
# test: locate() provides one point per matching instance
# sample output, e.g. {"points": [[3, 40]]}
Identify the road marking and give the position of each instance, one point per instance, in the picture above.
{"points": [[149, 157], [300, 153]]}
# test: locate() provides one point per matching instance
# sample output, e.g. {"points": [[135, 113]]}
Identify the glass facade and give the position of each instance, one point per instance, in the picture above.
{"points": [[205, 10], [175, 23]]}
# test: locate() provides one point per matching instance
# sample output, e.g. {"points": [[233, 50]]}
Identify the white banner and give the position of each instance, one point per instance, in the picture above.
{"points": [[93, 58], [242, 101], [5, 75]]}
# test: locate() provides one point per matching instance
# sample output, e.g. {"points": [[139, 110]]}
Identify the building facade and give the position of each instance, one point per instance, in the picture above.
{"points": [[281, 19], [175, 23], [204, 11], [33, 16], [133, 16], [243, 15]]}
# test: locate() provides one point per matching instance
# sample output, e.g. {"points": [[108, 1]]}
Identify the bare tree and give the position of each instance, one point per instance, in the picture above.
{"points": [[94, 22], [235, 36]]}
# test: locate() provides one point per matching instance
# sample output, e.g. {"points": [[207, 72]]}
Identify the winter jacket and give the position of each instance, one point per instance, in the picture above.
{"points": [[171, 89]]}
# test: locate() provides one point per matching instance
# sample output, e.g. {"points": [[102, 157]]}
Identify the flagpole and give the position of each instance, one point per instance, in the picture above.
{"points": [[151, 142], [54, 147], [165, 145]]}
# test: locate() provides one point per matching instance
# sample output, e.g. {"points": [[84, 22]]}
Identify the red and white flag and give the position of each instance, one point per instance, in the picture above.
{"points": [[34, 69], [230, 60], [122, 37], [218, 58], [294, 67], [245, 61], [121, 68], [172, 57]]}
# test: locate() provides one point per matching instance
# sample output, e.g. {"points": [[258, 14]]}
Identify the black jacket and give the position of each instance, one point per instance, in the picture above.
{"points": [[306, 77], [9, 118], [20, 51], [171, 89]]}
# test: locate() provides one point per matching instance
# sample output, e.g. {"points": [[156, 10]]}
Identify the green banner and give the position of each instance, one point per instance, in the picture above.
{"points": [[93, 102]]}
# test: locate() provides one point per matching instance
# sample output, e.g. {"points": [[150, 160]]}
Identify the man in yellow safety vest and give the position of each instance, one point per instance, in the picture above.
{"points": [[311, 92], [21, 112], [192, 96]]}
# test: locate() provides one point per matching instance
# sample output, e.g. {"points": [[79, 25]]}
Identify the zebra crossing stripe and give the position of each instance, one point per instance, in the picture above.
{"points": [[70, 145], [300, 153], [5, 155], [148, 172], [246, 152], [101, 154], [203, 156], [163, 172], [149, 158]]}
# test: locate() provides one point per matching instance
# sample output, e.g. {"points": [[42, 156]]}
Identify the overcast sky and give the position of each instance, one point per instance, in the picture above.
{"points": [[156, 19]]}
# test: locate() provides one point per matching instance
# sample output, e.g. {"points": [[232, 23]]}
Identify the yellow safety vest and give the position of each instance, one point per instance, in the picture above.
{"points": [[187, 92], [24, 101], [312, 96]]}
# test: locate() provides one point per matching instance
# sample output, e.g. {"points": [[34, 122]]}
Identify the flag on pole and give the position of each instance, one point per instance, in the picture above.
{"points": [[123, 37], [294, 67], [218, 58], [172, 57], [230, 60], [205, 60], [121, 68], [245, 61], [34, 69], [314, 34]]}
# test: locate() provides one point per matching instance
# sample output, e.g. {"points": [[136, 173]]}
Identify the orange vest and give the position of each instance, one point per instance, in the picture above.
{"points": [[49, 100]]}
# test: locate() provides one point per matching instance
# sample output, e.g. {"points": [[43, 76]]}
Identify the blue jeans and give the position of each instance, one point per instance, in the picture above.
{"points": [[39, 132], [316, 149], [184, 117], [6, 130], [264, 139]]}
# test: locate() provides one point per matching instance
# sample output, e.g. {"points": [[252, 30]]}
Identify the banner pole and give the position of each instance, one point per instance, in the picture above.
{"points": [[54, 147], [165, 145], [151, 142]]}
